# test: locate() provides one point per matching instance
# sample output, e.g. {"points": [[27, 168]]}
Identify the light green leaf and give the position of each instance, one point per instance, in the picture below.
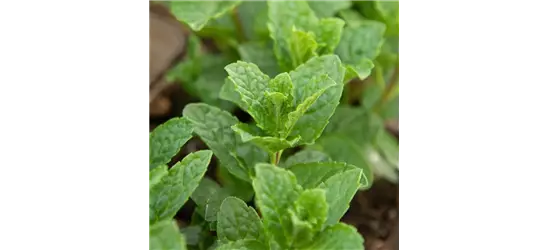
{"points": [[302, 46], [276, 190], [338, 236], [213, 126], [306, 156], [261, 55], [328, 34], [282, 24], [156, 174], [328, 8], [351, 17], [268, 143], [321, 84], [251, 83], [197, 13], [242, 245], [310, 175], [308, 215], [340, 190], [173, 190], [342, 149], [167, 139], [312, 123], [228, 93], [236, 221], [360, 45], [165, 235]]}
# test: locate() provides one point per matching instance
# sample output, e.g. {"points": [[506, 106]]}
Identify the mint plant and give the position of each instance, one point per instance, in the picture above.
{"points": [[319, 80]]}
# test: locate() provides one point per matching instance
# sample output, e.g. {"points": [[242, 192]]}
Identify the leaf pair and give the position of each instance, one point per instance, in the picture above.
{"points": [[170, 189], [292, 108], [294, 216], [298, 34]]}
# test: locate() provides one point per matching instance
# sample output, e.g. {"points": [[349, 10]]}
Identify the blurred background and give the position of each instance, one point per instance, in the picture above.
{"points": [[187, 66]]}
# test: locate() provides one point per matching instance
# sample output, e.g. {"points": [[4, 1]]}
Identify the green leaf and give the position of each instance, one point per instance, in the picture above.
{"points": [[261, 55], [213, 205], [213, 126], [282, 24], [228, 93], [351, 17], [340, 190], [208, 197], [312, 123], [276, 190], [197, 13], [253, 17], [306, 156], [268, 143], [308, 215], [302, 46], [329, 34], [328, 8], [338, 236], [251, 83], [342, 149], [388, 146], [167, 139], [310, 175], [165, 235], [192, 234], [237, 221], [156, 174], [357, 123], [173, 190], [379, 165], [235, 186], [242, 245], [360, 45]]}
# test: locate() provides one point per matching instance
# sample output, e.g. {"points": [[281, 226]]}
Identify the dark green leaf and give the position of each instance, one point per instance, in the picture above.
{"points": [[167, 139], [340, 190], [306, 156], [197, 13], [310, 175], [236, 221], [165, 235], [338, 236]]}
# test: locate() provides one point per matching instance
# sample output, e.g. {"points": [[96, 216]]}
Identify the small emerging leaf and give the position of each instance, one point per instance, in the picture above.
{"points": [[276, 190], [308, 216], [268, 143]]}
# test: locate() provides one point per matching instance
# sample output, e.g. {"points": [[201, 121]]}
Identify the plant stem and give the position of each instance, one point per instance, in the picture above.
{"points": [[275, 158], [392, 83], [238, 25]]}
